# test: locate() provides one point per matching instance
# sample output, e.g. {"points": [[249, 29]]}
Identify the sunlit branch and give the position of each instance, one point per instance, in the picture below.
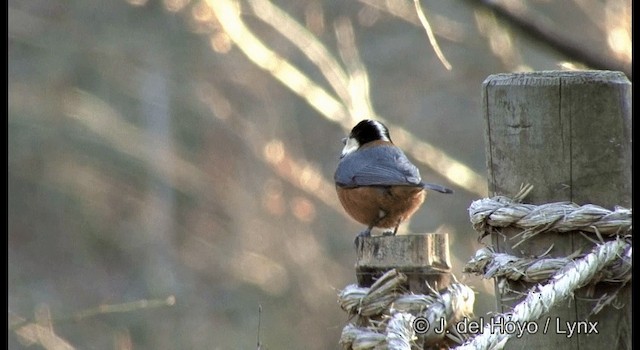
{"points": [[125, 307], [229, 18], [443, 27], [359, 97], [432, 38], [306, 42]]}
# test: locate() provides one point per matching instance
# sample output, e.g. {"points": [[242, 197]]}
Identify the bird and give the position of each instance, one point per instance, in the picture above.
{"points": [[376, 183]]}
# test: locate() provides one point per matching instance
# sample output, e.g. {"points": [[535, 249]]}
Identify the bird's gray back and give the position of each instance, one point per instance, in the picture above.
{"points": [[384, 165]]}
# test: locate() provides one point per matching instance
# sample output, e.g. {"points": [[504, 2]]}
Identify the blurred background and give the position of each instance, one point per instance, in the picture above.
{"points": [[170, 162]]}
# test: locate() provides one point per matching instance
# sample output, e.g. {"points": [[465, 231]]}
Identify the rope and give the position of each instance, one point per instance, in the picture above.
{"points": [[562, 285], [374, 300], [400, 332], [490, 264], [388, 314], [498, 212]]}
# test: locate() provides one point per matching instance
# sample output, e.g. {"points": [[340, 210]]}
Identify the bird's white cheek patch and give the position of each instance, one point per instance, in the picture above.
{"points": [[350, 146]]}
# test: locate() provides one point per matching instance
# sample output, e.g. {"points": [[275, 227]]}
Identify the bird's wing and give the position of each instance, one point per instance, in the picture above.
{"points": [[384, 165]]}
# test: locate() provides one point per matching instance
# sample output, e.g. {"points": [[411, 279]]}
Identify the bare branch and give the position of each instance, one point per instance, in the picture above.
{"points": [[432, 38]]}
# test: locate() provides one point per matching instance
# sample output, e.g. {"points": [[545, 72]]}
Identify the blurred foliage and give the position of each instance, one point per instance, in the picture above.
{"points": [[151, 158]]}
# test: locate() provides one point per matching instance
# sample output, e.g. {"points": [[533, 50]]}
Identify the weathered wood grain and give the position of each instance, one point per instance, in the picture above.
{"points": [[569, 135]]}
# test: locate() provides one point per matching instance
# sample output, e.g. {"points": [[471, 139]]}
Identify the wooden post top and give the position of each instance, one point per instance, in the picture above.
{"points": [[424, 258]]}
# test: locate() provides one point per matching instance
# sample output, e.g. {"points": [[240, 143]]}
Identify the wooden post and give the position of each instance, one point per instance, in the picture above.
{"points": [[424, 258], [569, 135]]}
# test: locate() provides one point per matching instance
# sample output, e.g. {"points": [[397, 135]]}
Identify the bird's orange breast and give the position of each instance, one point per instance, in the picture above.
{"points": [[388, 205]]}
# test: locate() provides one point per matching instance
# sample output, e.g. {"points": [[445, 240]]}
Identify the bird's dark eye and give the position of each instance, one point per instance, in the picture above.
{"points": [[344, 140]]}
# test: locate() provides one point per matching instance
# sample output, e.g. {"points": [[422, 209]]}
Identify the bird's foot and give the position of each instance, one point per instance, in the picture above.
{"points": [[389, 233], [365, 233]]}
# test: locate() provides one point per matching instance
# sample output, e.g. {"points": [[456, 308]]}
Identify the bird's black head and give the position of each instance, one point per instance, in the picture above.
{"points": [[369, 130], [364, 132]]}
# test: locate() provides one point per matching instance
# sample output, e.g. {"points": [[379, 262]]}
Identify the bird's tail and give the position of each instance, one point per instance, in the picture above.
{"points": [[435, 187]]}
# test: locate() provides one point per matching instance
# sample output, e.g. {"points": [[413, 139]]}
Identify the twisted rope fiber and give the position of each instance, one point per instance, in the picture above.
{"points": [[385, 298], [490, 264], [560, 288], [489, 213], [400, 332]]}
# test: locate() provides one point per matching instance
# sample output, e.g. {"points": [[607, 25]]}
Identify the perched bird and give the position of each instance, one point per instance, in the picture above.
{"points": [[376, 183]]}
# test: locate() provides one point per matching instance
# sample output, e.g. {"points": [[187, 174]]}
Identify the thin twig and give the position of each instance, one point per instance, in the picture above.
{"points": [[432, 38]]}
